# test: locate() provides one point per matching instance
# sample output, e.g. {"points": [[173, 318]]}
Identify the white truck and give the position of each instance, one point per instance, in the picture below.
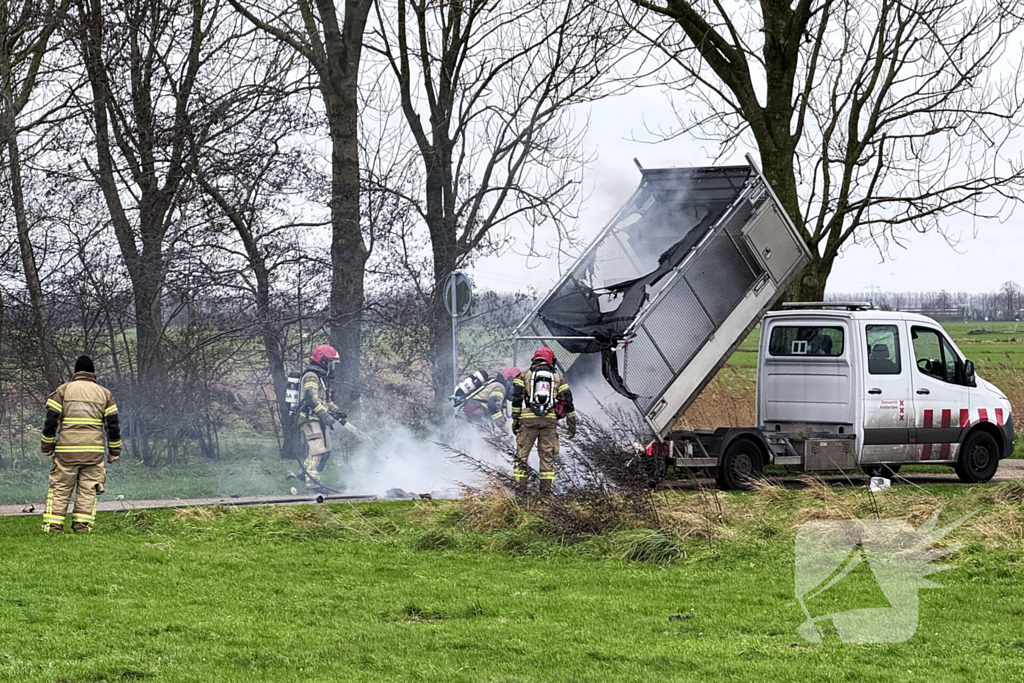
{"points": [[686, 270]]}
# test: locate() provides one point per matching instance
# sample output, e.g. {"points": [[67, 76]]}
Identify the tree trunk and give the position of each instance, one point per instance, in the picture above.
{"points": [[810, 285], [348, 250], [28, 258]]}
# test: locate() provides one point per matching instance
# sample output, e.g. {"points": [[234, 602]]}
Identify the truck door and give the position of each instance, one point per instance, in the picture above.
{"points": [[888, 407], [941, 400]]}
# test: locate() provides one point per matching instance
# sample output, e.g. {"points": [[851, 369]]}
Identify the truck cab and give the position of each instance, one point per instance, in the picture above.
{"points": [[844, 386]]}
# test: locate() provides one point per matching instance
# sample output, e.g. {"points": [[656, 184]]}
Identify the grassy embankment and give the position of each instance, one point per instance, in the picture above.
{"points": [[485, 592]]}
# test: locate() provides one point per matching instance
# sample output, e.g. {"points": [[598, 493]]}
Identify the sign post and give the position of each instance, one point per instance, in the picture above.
{"points": [[458, 295]]}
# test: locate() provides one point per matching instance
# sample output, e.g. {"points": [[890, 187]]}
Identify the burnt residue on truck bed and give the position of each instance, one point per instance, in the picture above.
{"points": [[671, 211]]}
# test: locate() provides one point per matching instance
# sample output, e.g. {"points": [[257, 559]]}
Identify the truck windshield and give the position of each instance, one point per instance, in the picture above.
{"points": [[806, 340]]}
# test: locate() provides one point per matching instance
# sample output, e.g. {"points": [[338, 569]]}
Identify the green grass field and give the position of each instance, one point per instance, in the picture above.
{"points": [[426, 592]]}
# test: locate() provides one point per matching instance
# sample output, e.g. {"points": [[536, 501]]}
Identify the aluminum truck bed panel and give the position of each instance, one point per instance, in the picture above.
{"points": [[673, 284]]}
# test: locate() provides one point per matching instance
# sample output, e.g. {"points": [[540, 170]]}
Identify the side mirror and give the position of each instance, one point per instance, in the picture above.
{"points": [[969, 373]]}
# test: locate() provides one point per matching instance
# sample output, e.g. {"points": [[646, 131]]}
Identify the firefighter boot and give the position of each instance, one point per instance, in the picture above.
{"points": [[547, 483], [81, 528], [53, 529]]}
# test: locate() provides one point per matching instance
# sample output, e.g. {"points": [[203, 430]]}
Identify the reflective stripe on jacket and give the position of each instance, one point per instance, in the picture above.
{"points": [[316, 405], [87, 418], [492, 400]]}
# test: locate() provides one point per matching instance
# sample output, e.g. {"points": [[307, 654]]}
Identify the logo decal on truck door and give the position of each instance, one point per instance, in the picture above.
{"points": [[893, 404]]}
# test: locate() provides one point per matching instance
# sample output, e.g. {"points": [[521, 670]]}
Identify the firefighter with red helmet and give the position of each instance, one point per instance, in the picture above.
{"points": [[317, 413], [487, 406], [540, 397]]}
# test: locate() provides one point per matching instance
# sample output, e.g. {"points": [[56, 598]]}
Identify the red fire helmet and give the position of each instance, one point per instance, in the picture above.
{"points": [[510, 373], [545, 354], [324, 352]]}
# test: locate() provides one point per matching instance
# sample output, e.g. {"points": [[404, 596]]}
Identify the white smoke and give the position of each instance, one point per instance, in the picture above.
{"points": [[395, 459]]}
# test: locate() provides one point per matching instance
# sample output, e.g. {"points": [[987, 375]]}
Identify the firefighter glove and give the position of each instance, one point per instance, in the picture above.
{"points": [[113, 455], [47, 449], [571, 424], [517, 426]]}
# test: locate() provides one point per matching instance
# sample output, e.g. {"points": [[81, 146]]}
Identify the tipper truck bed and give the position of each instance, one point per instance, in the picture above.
{"points": [[670, 288]]}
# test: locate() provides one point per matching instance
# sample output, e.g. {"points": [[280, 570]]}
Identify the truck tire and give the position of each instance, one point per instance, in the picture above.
{"points": [[740, 465], [979, 458], [887, 471]]}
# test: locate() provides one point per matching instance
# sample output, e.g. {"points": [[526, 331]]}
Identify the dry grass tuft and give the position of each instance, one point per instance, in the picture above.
{"points": [[210, 513], [493, 509], [772, 491], [706, 514], [1004, 492], [308, 517]]}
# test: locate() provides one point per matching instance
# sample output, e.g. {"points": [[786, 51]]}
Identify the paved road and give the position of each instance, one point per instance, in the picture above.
{"points": [[115, 505], [1008, 469]]}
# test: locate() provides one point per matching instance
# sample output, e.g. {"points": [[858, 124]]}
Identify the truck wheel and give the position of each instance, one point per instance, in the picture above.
{"points": [[887, 471], [740, 465], [979, 458]]}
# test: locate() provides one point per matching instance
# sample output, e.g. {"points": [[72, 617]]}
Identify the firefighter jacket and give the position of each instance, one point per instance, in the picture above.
{"points": [[82, 410], [491, 399], [522, 387], [315, 403]]}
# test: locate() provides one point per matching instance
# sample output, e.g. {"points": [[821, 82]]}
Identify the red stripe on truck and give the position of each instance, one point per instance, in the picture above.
{"points": [[965, 417], [947, 417], [982, 415], [926, 450], [999, 416]]}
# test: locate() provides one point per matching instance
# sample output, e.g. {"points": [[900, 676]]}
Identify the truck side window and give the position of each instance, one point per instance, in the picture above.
{"points": [[806, 340], [934, 355], [884, 350]]}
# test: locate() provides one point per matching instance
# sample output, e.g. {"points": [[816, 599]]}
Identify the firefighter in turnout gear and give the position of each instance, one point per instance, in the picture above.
{"points": [[540, 397], [77, 416], [317, 413], [487, 406]]}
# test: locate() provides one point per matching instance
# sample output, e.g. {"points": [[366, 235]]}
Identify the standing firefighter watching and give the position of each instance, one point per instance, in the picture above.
{"points": [[81, 410], [540, 397], [317, 413]]}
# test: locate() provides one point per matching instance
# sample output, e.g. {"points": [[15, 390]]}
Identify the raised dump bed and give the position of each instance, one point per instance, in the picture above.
{"points": [[671, 286]]}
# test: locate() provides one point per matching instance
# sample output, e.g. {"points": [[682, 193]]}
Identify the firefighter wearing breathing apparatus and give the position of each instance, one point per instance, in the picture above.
{"points": [[540, 397], [317, 413], [486, 405]]}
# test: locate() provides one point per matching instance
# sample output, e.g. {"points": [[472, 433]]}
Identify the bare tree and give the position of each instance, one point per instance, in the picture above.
{"points": [[142, 60], [870, 117], [1012, 295], [485, 89], [333, 49], [25, 31]]}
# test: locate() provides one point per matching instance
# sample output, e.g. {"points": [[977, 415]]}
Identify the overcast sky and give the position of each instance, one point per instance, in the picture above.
{"points": [[989, 253]]}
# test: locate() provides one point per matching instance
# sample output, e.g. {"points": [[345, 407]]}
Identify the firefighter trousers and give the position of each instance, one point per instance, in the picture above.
{"points": [[546, 438], [317, 448], [64, 479]]}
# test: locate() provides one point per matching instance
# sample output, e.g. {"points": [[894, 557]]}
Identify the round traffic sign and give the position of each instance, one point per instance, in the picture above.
{"points": [[458, 294]]}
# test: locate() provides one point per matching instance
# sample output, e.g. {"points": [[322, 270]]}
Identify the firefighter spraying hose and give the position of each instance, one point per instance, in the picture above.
{"points": [[316, 414]]}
